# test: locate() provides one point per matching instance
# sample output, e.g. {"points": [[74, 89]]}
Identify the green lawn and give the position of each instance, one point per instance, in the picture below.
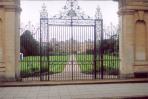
{"points": [[85, 62], [110, 63], [56, 64], [51, 64]]}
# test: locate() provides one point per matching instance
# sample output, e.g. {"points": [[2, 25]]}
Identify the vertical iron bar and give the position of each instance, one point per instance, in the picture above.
{"points": [[118, 56], [40, 50], [30, 60], [112, 57], [102, 50], [95, 56], [107, 56], [72, 45], [48, 46]]}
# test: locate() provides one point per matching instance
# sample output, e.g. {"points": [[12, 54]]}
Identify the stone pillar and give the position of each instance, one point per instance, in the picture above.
{"points": [[133, 16], [9, 39], [2, 68]]}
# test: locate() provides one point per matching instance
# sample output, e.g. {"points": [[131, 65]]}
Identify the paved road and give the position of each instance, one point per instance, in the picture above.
{"points": [[95, 91]]}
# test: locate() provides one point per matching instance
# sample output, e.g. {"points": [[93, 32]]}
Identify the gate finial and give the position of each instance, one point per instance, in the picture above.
{"points": [[98, 14], [44, 13]]}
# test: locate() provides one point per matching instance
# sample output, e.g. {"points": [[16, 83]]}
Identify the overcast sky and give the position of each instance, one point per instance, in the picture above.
{"points": [[31, 10]]}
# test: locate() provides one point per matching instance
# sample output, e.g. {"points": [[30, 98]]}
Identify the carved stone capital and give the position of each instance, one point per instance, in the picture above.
{"points": [[10, 1], [133, 4], [139, 16], [10, 5], [126, 12], [13, 8]]}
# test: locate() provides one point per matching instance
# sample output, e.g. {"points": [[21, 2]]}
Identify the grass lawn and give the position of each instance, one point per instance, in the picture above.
{"points": [[55, 64], [110, 63], [85, 62]]}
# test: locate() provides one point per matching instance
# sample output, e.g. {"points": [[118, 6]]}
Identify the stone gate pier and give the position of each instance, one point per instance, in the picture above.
{"points": [[133, 16], [9, 39]]}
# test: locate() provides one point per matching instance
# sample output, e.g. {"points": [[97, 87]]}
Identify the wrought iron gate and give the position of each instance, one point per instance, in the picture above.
{"points": [[74, 48], [70, 49]]}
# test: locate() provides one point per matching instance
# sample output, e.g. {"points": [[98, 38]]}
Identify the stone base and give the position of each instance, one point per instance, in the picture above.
{"points": [[141, 71], [141, 74], [135, 75], [18, 78], [2, 78], [126, 76]]}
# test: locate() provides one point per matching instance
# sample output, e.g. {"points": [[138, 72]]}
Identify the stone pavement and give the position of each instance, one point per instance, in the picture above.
{"points": [[94, 91]]}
